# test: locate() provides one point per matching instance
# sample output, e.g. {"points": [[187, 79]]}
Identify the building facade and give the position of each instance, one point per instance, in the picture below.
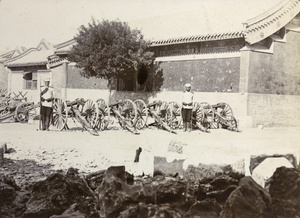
{"points": [[255, 69]]}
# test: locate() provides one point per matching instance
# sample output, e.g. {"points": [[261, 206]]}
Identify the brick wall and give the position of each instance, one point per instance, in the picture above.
{"points": [[76, 81], [277, 73], [206, 75], [92, 94]]}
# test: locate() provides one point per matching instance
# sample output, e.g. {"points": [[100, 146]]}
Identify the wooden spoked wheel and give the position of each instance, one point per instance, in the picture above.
{"points": [[209, 115], [142, 114], [128, 110], [233, 123], [103, 115], [197, 114], [91, 113], [4, 112], [226, 114], [161, 109], [60, 114], [23, 111], [173, 115], [224, 110]]}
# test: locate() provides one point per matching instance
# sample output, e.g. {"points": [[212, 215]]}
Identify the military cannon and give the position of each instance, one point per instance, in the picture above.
{"points": [[17, 108], [158, 110], [81, 110], [202, 116], [173, 115], [206, 116], [223, 117], [124, 111]]}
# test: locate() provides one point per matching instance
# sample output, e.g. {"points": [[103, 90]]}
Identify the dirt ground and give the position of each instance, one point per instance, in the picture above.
{"points": [[38, 153]]}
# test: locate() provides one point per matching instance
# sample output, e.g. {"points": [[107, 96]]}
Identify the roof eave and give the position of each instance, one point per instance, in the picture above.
{"points": [[264, 26], [27, 64], [198, 38], [62, 52]]}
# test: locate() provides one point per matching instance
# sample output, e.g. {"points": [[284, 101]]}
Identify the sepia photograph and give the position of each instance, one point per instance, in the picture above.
{"points": [[159, 109]]}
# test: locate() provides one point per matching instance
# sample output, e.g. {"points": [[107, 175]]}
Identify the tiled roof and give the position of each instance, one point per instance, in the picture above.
{"points": [[214, 21], [65, 44], [64, 47], [211, 22], [32, 56], [7, 55], [29, 58], [260, 27], [199, 38]]}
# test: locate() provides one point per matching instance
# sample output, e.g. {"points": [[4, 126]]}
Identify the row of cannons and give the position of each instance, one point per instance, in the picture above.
{"points": [[95, 116]]}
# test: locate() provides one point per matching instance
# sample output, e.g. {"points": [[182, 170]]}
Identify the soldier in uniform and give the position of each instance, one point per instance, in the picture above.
{"points": [[187, 106], [46, 105]]}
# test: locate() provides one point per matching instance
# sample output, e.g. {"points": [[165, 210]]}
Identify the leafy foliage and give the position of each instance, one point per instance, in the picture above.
{"points": [[110, 49]]}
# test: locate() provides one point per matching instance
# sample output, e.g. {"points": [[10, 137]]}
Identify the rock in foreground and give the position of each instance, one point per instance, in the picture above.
{"points": [[284, 188], [248, 200]]}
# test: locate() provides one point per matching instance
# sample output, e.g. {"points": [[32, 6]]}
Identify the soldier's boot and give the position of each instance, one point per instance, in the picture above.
{"points": [[188, 126], [184, 126]]}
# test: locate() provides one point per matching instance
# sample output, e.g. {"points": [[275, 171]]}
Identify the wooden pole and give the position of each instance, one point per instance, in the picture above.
{"points": [[40, 117], [3, 148]]}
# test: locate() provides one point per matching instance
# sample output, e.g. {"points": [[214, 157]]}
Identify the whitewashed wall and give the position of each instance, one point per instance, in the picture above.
{"points": [[237, 101]]}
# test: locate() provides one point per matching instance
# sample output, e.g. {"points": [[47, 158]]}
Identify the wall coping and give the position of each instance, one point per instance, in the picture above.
{"points": [[199, 56]]}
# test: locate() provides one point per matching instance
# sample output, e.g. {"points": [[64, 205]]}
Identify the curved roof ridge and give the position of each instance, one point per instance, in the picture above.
{"points": [[268, 13], [32, 57], [7, 54], [266, 24], [44, 44], [22, 55], [64, 44]]}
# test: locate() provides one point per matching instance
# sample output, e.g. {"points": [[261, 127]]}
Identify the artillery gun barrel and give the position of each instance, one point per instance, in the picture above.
{"points": [[77, 101], [219, 105], [116, 103], [153, 104]]}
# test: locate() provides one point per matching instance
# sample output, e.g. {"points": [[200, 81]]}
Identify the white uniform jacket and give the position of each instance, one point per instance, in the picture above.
{"points": [[187, 98], [48, 94]]}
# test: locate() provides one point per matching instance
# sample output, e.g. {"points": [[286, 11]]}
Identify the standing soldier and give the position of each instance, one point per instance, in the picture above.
{"points": [[187, 106], [46, 105]]}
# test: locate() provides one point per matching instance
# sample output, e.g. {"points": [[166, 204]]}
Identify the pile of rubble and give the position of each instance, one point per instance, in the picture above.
{"points": [[116, 193]]}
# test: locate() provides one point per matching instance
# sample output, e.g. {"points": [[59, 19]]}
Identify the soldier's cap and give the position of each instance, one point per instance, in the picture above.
{"points": [[187, 85], [47, 80]]}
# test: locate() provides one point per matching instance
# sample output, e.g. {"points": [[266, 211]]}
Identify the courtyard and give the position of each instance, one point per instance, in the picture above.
{"points": [[60, 150]]}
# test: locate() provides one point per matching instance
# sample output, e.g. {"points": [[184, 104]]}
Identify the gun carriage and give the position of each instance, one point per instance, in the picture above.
{"points": [[159, 111], [17, 108], [80, 110], [223, 117], [132, 116], [94, 116], [206, 116], [124, 111]]}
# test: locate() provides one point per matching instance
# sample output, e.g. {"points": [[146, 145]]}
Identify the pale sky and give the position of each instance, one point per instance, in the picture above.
{"points": [[27, 22]]}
